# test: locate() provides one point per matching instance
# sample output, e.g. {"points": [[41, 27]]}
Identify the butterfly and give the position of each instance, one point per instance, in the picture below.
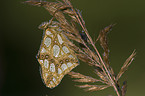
{"points": [[56, 58]]}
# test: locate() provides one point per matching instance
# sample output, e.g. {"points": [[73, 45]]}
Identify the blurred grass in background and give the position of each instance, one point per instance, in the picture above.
{"points": [[20, 39]]}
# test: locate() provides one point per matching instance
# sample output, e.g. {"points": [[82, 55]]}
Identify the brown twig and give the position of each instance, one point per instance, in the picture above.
{"points": [[89, 37]]}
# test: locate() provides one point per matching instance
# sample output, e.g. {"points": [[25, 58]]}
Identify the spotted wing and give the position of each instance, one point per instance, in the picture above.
{"points": [[55, 57]]}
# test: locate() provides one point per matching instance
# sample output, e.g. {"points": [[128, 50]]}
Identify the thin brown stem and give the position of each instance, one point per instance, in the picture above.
{"points": [[89, 37]]}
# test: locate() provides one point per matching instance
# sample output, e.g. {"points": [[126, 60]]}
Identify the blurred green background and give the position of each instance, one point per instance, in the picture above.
{"points": [[20, 40]]}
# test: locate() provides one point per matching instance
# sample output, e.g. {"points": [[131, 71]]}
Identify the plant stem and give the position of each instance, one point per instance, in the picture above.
{"points": [[85, 30], [89, 37]]}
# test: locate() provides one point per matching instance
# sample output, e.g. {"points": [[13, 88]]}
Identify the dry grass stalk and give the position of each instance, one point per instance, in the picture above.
{"points": [[93, 87], [126, 65], [87, 52]]}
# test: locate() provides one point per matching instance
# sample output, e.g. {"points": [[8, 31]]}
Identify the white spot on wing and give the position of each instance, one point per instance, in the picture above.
{"points": [[69, 64], [56, 50], [51, 82], [54, 79], [41, 61], [53, 26], [53, 30], [74, 63], [43, 50], [62, 53], [49, 33], [59, 71], [63, 67], [59, 39], [46, 74], [47, 41], [65, 49], [52, 67], [70, 56], [46, 63]]}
